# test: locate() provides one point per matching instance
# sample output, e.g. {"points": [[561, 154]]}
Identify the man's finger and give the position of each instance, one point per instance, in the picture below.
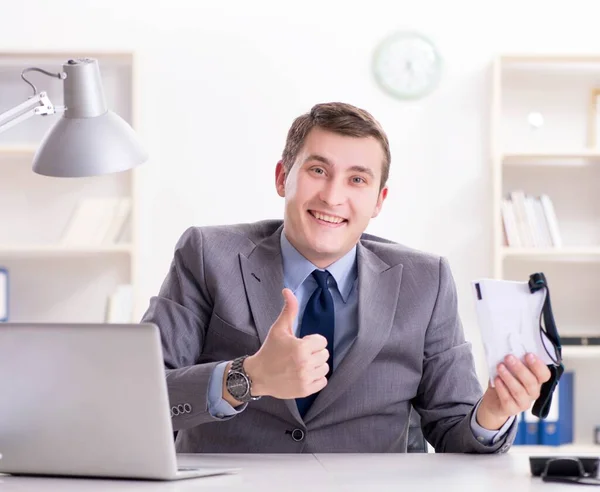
{"points": [[524, 376], [514, 386], [318, 385], [285, 321], [315, 343], [290, 308], [509, 405], [538, 368], [321, 371], [320, 357]]}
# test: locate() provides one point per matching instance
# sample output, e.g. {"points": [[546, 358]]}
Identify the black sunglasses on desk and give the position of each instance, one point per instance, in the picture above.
{"points": [[566, 469]]}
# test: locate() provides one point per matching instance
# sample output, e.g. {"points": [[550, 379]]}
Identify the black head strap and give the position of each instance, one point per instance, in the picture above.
{"points": [[541, 406]]}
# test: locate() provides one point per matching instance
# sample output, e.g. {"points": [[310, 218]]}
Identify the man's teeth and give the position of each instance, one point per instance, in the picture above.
{"points": [[328, 218]]}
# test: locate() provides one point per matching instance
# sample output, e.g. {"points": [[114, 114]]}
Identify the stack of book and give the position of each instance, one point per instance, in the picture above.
{"points": [[530, 222]]}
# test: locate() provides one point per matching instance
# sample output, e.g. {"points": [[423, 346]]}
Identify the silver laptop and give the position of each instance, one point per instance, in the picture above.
{"points": [[86, 400]]}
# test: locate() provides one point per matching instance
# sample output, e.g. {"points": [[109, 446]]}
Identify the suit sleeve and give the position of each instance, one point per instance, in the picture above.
{"points": [[486, 436], [182, 311], [449, 388]]}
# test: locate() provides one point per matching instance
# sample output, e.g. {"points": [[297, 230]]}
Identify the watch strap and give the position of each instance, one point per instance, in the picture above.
{"points": [[238, 365]]}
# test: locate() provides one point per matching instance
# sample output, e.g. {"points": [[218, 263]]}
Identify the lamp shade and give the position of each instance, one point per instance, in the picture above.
{"points": [[87, 140]]}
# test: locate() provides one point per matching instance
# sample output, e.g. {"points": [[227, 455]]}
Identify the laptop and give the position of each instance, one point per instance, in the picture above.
{"points": [[87, 400]]}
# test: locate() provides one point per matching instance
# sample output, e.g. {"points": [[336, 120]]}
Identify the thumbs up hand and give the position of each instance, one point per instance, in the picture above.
{"points": [[285, 366]]}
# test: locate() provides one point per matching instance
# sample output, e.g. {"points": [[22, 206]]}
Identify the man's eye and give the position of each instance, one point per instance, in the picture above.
{"points": [[358, 180], [318, 170]]}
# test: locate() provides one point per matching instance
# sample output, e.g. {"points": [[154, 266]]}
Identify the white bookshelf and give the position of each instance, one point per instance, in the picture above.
{"points": [[57, 250], [51, 281], [573, 352], [558, 160], [568, 158], [587, 253], [17, 151]]}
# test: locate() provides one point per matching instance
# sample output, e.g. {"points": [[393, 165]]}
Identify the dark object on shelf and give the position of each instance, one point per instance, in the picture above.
{"points": [[585, 340], [541, 407]]}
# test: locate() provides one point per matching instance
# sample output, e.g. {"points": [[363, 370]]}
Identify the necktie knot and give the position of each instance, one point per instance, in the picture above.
{"points": [[321, 277]]}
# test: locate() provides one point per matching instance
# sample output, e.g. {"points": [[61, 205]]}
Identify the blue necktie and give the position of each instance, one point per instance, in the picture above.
{"points": [[318, 318]]}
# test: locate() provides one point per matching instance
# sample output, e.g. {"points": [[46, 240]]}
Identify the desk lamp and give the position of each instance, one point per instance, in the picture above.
{"points": [[88, 140]]}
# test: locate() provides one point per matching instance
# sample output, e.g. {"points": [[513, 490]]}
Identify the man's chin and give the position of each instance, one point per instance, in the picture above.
{"points": [[326, 250]]}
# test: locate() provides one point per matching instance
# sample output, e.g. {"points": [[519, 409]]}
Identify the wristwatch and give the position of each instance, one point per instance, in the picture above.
{"points": [[238, 382]]}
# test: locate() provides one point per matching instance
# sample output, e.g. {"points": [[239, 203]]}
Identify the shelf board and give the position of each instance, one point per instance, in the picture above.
{"points": [[551, 58], [580, 351], [551, 64], [59, 250], [17, 151], [567, 158], [20, 59], [552, 253]]}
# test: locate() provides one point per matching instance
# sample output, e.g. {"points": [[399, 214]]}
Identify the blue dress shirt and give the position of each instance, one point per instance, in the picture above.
{"points": [[343, 287]]}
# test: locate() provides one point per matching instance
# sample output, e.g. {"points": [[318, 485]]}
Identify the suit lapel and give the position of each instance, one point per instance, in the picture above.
{"points": [[378, 291], [262, 272]]}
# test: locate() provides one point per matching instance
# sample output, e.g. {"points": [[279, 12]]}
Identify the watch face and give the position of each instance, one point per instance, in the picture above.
{"points": [[237, 385], [407, 65]]}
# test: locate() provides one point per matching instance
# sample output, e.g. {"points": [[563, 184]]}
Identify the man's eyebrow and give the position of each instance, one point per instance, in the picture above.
{"points": [[327, 162], [362, 169], [320, 158]]}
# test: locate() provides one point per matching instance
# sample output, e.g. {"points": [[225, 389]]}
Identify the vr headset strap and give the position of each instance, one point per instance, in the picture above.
{"points": [[541, 406]]}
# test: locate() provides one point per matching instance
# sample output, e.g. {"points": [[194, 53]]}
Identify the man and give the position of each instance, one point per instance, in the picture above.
{"points": [[311, 336]]}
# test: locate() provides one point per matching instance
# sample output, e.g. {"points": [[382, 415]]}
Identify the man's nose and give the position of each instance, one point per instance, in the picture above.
{"points": [[333, 193]]}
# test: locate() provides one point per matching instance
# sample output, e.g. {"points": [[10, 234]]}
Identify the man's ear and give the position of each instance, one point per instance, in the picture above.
{"points": [[280, 179], [382, 196]]}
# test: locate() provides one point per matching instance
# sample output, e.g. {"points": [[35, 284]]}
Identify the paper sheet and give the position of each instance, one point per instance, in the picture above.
{"points": [[508, 315]]}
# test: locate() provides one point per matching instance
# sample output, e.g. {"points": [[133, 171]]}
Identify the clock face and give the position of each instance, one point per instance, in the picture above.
{"points": [[407, 65], [237, 385]]}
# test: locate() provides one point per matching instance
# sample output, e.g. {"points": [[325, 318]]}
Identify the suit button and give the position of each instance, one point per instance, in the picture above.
{"points": [[298, 435]]}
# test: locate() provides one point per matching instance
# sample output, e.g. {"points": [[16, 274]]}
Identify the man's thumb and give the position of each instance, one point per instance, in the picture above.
{"points": [[288, 314]]}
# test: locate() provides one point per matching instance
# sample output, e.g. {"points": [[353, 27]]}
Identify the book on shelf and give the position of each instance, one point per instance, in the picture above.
{"points": [[97, 221], [557, 428], [530, 222], [3, 295], [530, 428]]}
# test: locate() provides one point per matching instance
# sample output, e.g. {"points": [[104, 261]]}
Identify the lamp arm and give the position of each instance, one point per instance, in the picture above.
{"points": [[39, 104]]}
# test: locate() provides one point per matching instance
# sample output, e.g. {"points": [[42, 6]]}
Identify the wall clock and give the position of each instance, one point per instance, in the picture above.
{"points": [[407, 65]]}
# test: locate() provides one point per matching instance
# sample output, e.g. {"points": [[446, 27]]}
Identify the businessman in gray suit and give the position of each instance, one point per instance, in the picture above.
{"points": [[309, 335]]}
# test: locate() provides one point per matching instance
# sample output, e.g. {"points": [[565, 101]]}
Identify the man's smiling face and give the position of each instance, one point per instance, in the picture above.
{"points": [[331, 193]]}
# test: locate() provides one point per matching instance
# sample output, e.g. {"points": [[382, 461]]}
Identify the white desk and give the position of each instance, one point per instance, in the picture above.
{"points": [[325, 472]]}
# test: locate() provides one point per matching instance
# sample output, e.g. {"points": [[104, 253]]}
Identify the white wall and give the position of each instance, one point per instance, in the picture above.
{"points": [[220, 83]]}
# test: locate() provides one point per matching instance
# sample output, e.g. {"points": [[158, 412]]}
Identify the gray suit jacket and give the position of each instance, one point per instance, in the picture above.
{"points": [[223, 293]]}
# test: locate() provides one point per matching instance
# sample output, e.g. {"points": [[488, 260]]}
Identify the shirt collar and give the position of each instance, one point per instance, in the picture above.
{"points": [[296, 268]]}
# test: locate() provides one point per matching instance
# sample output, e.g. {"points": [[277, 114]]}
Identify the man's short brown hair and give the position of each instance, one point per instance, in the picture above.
{"points": [[340, 118]]}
